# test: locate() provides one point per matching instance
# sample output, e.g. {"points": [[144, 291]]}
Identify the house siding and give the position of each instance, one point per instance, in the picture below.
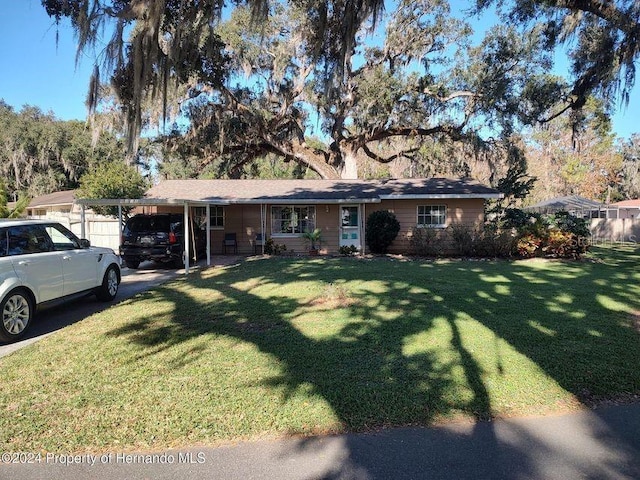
{"points": [[327, 217], [459, 211], [244, 221]]}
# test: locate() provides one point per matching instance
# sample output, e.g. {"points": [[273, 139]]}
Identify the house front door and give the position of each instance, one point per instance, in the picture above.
{"points": [[350, 226]]}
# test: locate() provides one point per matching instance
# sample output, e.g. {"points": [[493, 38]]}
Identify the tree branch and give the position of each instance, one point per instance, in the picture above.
{"points": [[452, 131], [453, 96], [378, 158], [604, 9]]}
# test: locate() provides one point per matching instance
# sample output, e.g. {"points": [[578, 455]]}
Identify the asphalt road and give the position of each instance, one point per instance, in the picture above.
{"points": [[600, 444], [54, 318]]}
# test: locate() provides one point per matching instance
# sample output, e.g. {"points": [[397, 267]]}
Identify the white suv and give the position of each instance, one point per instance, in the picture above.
{"points": [[41, 262]]}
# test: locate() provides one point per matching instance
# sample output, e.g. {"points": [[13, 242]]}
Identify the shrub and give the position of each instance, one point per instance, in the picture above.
{"points": [[348, 250], [566, 222], [485, 241], [523, 222], [529, 245], [558, 244], [272, 248], [313, 237], [463, 238], [491, 241], [560, 235], [564, 245], [516, 218], [427, 242], [382, 229]]}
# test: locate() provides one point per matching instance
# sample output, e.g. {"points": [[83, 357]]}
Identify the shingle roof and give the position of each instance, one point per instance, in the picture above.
{"points": [[65, 197], [315, 191]]}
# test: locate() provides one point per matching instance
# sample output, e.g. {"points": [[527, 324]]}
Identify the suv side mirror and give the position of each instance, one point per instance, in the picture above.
{"points": [[84, 243]]}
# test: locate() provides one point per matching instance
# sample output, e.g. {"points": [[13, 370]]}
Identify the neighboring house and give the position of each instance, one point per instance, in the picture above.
{"points": [[628, 208], [62, 207], [53, 205], [283, 209], [576, 205], [617, 222]]}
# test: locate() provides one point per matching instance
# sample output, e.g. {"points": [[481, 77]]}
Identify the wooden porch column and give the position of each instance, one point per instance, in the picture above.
{"points": [[186, 238], [208, 213]]}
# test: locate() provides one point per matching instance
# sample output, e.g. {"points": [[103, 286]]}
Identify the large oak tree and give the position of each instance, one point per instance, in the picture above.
{"points": [[602, 38], [376, 83]]}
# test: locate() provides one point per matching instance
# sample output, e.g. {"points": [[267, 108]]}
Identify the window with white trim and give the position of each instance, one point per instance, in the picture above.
{"points": [[216, 216], [432, 216], [292, 219]]}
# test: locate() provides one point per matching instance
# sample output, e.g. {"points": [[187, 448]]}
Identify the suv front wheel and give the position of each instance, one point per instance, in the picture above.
{"points": [[16, 309], [109, 288]]}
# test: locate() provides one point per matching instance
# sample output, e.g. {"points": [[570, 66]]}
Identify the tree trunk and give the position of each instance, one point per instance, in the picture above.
{"points": [[16, 171], [340, 163], [349, 166], [315, 160]]}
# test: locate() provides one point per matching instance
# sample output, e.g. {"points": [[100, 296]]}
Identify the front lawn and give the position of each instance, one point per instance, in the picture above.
{"points": [[277, 346]]}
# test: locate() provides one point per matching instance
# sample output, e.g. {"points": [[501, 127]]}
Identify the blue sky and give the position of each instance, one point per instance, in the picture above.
{"points": [[36, 71]]}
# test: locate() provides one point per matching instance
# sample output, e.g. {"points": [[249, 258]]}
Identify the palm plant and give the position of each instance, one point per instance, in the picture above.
{"points": [[313, 237]]}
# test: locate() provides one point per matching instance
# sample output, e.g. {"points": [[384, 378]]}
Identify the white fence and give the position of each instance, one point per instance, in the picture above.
{"points": [[615, 230], [99, 230]]}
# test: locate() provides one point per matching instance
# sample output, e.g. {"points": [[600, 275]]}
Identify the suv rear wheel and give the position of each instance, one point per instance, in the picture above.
{"points": [[16, 309], [131, 262]]}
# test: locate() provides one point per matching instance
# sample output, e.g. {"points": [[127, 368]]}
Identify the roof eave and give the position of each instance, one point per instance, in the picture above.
{"points": [[299, 201], [219, 201], [134, 202], [280, 201], [442, 196], [47, 205]]}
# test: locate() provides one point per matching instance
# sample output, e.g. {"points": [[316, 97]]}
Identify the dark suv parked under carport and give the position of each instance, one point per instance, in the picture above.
{"points": [[158, 237]]}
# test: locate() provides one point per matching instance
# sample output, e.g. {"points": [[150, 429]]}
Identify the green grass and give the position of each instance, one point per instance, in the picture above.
{"points": [[281, 346]]}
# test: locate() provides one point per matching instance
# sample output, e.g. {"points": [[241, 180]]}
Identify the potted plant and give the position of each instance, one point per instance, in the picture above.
{"points": [[313, 237]]}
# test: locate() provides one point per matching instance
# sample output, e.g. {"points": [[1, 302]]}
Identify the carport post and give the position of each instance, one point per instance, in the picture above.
{"points": [[186, 238], [263, 215], [208, 235], [363, 228], [82, 220]]}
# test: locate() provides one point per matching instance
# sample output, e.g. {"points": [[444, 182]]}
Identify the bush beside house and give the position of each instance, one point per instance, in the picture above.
{"points": [[516, 233], [559, 235], [381, 230]]}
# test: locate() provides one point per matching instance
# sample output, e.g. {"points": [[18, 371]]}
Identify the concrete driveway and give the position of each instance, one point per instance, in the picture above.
{"points": [[54, 318]]}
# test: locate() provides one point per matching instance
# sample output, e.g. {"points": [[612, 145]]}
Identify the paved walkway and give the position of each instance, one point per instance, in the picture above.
{"points": [[598, 444]]}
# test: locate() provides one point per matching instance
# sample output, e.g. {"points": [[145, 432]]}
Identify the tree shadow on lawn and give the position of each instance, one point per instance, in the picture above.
{"points": [[361, 369], [383, 366]]}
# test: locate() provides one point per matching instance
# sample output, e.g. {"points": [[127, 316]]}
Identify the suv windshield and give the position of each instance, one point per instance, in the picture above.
{"points": [[154, 223]]}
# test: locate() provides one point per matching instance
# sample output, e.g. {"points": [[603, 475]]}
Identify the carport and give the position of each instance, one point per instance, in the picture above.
{"points": [[148, 202]]}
